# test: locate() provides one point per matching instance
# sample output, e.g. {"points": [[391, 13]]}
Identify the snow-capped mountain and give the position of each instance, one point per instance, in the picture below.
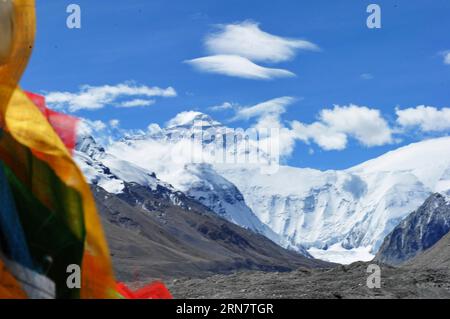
{"points": [[354, 208], [341, 216], [200, 182], [111, 174], [225, 199]]}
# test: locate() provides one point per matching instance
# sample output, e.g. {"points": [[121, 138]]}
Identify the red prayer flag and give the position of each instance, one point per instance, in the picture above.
{"points": [[156, 290], [64, 125]]}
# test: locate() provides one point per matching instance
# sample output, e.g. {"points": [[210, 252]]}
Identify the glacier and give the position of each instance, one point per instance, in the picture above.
{"points": [[355, 208]]}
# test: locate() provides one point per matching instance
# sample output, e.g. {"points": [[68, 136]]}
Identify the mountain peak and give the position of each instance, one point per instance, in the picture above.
{"points": [[87, 144], [191, 119]]}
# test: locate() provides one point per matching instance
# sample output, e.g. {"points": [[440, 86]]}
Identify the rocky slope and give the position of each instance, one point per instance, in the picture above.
{"points": [[437, 257], [418, 232], [156, 233]]}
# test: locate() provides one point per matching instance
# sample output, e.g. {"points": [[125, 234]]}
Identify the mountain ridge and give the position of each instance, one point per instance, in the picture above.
{"points": [[152, 236], [418, 232]]}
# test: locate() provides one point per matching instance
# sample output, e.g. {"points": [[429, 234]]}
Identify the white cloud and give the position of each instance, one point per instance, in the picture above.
{"points": [[234, 65], [97, 97], [247, 40], [104, 133], [153, 129], [268, 117], [183, 118], [136, 103], [223, 106], [235, 48], [447, 57], [274, 107], [114, 123], [335, 126], [427, 118], [367, 76], [324, 136], [87, 127], [364, 124], [332, 129]]}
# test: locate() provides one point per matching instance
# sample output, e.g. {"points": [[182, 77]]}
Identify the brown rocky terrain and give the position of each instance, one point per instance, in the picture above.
{"points": [[162, 235], [159, 234], [342, 282]]}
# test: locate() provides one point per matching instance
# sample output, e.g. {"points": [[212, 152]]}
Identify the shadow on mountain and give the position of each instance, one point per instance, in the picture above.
{"points": [[162, 234]]}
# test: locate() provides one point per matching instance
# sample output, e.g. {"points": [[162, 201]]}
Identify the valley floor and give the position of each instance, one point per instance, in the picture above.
{"points": [[337, 283]]}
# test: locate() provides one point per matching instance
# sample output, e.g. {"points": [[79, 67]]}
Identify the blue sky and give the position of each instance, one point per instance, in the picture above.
{"points": [[402, 65]]}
